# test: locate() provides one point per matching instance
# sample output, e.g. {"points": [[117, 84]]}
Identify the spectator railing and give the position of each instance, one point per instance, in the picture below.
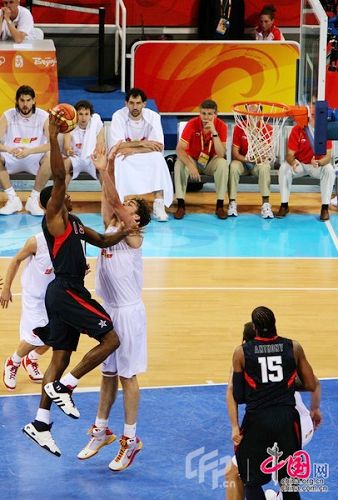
{"points": [[119, 28]]}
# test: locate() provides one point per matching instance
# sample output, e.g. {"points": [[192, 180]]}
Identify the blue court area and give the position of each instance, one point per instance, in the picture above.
{"points": [[186, 444], [203, 235]]}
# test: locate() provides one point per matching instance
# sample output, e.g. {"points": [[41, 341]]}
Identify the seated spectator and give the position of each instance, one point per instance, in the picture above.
{"points": [[81, 143], [300, 161], [201, 150], [16, 23], [24, 147], [140, 166], [241, 165], [266, 29]]}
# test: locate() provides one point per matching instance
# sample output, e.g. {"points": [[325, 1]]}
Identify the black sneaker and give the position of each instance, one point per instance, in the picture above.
{"points": [[62, 396], [42, 437]]}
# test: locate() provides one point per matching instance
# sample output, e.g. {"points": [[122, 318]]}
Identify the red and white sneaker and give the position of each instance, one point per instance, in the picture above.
{"points": [[99, 439], [129, 447], [32, 369], [9, 374]]}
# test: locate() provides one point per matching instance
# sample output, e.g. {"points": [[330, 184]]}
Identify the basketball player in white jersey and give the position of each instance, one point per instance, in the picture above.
{"points": [[309, 422], [80, 143], [35, 278], [119, 280], [24, 147]]}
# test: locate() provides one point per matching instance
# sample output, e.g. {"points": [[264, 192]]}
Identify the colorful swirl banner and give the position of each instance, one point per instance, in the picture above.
{"points": [[38, 69], [180, 75]]}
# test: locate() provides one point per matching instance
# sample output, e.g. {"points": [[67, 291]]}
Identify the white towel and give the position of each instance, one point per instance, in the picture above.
{"points": [[93, 128]]}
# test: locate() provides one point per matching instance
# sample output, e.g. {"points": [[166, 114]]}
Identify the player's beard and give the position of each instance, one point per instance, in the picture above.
{"points": [[135, 113], [26, 110]]}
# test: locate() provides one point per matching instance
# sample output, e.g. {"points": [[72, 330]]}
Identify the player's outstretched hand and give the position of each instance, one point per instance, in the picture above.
{"points": [[99, 159], [5, 297], [316, 416], [55, 120]]}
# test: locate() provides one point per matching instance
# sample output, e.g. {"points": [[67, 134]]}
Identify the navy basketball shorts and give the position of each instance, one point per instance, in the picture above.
{"points": [[72, 311], [261, 429]]}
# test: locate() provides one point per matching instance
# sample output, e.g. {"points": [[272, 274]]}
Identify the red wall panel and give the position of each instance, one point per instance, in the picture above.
{"points": [[160, 12]]}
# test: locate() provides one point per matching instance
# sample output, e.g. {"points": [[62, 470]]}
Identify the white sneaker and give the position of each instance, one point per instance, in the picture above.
{"points": [[32, 368], [42, 438], [159, 212], [232, 209], [334, 201], [266, 211], [62, 397], [33, 206], [129, 447], [99, 438], [9, 374], [13, 204]]}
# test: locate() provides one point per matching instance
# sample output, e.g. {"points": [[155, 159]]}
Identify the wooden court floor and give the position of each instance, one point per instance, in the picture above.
{"points": [[196, 309]]}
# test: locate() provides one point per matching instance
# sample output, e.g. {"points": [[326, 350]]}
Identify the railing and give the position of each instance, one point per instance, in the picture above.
{"points": [[119, 28]]}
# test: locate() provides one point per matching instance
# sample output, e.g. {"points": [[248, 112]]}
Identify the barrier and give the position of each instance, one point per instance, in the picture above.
{"points": [[30, 63]]}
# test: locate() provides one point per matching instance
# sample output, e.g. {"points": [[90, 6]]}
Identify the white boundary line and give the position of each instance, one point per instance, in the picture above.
{"points": [[204, 257], [97, 389], [332, 233], [226, 289]]}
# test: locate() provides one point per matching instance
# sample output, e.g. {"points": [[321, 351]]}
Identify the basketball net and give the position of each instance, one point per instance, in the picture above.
{"points": [[262, 122]]}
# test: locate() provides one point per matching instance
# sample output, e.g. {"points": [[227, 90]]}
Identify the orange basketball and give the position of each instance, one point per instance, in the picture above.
{"points": [[67, 115]]}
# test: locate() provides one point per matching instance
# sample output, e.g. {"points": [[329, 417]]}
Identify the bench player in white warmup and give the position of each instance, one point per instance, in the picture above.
{"points": [[24, 147]]}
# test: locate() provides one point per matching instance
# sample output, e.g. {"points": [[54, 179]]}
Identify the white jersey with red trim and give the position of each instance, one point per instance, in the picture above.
{"points": [[25, 132], [38, 272], [119, 274]]}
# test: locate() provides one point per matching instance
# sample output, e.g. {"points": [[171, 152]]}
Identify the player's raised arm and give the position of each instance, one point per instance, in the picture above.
{"points": [[56, 224], [111, 197]]}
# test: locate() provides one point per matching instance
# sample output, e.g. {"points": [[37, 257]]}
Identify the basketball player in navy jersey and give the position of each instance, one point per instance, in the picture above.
{"points": [[264, 376], [70, 308]]}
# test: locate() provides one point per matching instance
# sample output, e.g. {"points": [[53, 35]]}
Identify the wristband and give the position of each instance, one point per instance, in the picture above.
{"points": [[9, 22], [215, 135]]}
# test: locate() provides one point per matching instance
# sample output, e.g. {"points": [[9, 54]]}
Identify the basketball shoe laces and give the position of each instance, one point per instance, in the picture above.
{"points": [[123, 448], [13, 371], [35, 367]]}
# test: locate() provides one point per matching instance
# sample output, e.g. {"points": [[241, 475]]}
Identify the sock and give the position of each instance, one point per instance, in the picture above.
{"points": [[43, 415], [180, 203], [41, 426], [69, 381], [219, 204], [101, 423], [324, 206], [35, 194], [285, 204], [16, 359], [10, 192], [129, 430], [33, 356]]}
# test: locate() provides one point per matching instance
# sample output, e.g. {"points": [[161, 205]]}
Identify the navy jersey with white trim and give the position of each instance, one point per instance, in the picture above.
{"points": [[269, 372], [66, 251]]}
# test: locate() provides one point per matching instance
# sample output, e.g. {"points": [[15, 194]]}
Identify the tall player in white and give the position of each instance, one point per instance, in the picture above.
{"points": [[24, 147], [119, 281], [34, 280]]}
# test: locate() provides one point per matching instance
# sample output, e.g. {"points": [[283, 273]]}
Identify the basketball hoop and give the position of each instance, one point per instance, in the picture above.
{"points": [[262, 122]]}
